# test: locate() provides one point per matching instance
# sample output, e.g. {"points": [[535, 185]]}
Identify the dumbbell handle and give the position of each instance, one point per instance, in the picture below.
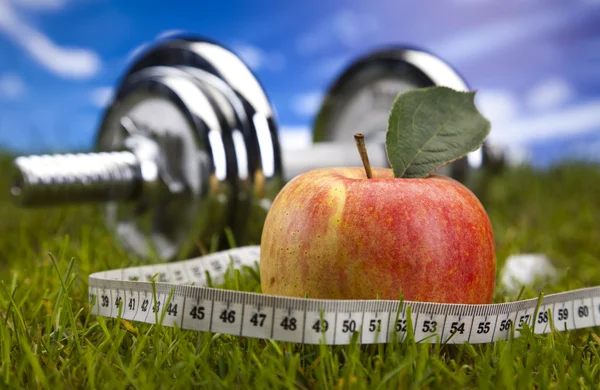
{"points": [[71, 178], [116, 176]]}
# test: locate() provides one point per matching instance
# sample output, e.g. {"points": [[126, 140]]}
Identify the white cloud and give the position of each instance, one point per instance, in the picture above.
{"points": [[295, 137], [12, 87], [510, 127], [102, 96], [307, 104], [497, 105], [346, 28], [549, 94], [66, 62], [569, 121], [491, 37], [257, 59]]}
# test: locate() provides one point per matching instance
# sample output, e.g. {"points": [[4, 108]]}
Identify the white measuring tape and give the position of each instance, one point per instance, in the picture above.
{"points": [[180, 299]]}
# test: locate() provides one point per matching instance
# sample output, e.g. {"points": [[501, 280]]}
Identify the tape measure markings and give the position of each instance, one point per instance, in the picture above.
{"points": [[193, 306]]}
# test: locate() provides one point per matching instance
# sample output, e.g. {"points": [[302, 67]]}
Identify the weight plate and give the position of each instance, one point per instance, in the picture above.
{"points": [[248, 123], [186, 148], [359, 100]]}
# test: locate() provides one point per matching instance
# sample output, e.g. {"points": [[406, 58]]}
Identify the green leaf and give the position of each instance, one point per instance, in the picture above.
{"points": [[431, 127]]}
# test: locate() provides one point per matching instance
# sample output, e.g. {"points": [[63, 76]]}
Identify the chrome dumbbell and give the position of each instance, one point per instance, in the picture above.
{"points": [[189, 146]]}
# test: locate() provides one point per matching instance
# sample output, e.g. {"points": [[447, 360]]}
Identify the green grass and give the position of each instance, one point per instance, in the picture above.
{"points": [[49, 339]]}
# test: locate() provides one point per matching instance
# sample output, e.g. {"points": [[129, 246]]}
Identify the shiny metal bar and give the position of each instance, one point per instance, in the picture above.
{"points": [[71, 178]]}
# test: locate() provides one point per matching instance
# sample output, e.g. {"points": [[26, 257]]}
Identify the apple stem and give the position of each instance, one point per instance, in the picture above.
{"points": [[359, 138]]}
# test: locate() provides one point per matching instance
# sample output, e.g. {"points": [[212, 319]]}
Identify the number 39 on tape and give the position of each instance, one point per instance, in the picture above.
{"points": [[180, 299]]}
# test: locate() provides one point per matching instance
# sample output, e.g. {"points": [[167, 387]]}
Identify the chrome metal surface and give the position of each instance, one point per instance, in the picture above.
{"points": [[233, 87], [74, 178]]}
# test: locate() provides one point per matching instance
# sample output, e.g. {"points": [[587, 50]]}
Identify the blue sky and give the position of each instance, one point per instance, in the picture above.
{"points": [[535, 63]]}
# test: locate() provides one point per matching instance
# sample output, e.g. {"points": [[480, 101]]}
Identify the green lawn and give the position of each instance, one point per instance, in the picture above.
{"points": [[48, 338]]}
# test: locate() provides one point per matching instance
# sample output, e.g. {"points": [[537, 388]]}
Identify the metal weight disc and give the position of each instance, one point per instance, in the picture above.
{"points": [[234, 125], [246, 129], [187, 173], [259, 131], [361, 97]]}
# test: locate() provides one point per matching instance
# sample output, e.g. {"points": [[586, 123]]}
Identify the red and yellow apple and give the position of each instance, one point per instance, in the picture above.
{"points": [[335, 234]]}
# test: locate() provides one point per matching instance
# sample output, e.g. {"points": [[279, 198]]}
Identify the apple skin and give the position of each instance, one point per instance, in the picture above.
{"points": [[335, 234]]}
